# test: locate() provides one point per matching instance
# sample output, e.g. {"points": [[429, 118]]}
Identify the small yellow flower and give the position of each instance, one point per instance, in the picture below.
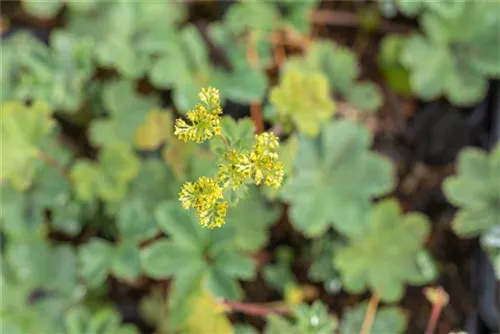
{"points": [[200, 195], [265, 164], [214, 215], [210, 97], [235, 170], [204, 118]]}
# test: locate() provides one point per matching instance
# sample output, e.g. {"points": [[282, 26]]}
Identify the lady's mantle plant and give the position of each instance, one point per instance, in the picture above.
{"points": [[388, 254], [475, 190], [207, 196]]}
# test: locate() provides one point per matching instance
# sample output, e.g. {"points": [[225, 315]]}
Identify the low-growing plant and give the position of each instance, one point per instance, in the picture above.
{"points": [[101, 157], [336, 177], [474, 189], [306, 319], [238, 167], [457, 52], [302, 100], [341, 68], [388, 319], [388, 253]]}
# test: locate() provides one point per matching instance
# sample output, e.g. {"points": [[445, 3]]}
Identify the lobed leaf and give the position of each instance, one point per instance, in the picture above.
{"points": [[386, 255], [336, 177]]}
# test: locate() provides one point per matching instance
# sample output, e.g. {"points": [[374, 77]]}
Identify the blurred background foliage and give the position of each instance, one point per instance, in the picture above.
{"points": [[93, 236]]}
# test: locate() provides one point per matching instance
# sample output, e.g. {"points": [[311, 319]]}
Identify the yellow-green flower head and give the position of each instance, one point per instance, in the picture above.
{"points": [[204, 125], [267, 141], [204, 119], [210, 97], [265, 164], [235, 169], [213, 216], [200, 195]]}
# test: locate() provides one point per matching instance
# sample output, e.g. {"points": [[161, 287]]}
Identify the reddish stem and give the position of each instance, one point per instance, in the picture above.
{"points": [[255, 309], [345, 19], [433, 319], [438, 298], [256, 115], [371, 311]]}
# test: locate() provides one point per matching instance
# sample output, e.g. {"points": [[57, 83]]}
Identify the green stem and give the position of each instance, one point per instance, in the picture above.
{"points": [[225, 142]]}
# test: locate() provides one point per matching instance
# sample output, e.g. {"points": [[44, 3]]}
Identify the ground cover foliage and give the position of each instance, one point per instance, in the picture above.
{"points": [[242, 166]]}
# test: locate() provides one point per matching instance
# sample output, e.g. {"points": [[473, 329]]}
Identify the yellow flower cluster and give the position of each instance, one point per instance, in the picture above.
{"points": [[205, 196], [204, 118], [261, 164]]}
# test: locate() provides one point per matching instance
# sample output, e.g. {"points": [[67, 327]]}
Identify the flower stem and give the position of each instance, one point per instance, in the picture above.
{"points": [[370, 314], [256, 115], [439, 299], [256, 309], [225, 141]]}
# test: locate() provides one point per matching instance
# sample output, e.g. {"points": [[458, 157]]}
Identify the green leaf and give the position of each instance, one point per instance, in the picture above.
{"points": [[126, 262], [297, 14], [130, 34], [427, 78], [341, 68], [336, 177], [42, 9], [165, 258], [388, 319], [365, 96], [56, 74], [474, 190], [144, 188], [250, 16], [180, 224], [170, 69], [251, 221], [245, 85], [95, 261], [83, 7], [239, 134], [385, 256], [135, 222], [127, 111], [107, 320], [67, 218], [389, 61], [303, 99], [458, 53], [308, 319], [244, 329], [278, 325], [107, 179], [221, 284], [22, 130], [191, 249], [340, 65], [235, 265], [409, 7], [76, 320]]}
